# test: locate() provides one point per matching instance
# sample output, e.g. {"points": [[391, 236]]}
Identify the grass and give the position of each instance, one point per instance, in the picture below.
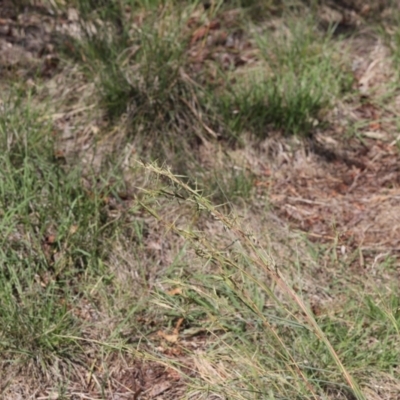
{"points": [[299, 79], [54, 239], [141, 74], [34, 201], [240, 285], [124, 277], [144, 71]]}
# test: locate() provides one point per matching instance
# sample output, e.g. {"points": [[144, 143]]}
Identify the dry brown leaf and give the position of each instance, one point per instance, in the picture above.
{"points": [[169, 338], [374, 126], [174, 337], [174, 292], [73, 229], [50, 239], [199, 34], [375, 135], [154, 246], [178, 326], [173, 374], [203, 31]]}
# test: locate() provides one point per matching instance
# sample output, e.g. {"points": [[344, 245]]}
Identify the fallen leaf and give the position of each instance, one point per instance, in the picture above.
{"points": [[203, 31], [375, 135], [374, 126], [173, 374], [199, 34], [169, 338], [154, 246], [59, 154], [178, 326], [50, 239], [174, 292], [73, 229], [214, 24]]}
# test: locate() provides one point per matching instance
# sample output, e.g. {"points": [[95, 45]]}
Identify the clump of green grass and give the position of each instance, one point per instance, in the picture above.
{"points": [[142, 72], [53, 233], [298, 81]]}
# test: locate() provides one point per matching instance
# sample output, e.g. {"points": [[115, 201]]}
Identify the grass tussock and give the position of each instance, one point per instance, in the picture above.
{"points": [[54, 233], [300, 77], [140, 63]]}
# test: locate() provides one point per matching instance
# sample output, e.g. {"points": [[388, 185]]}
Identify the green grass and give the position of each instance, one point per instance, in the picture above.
{"points": [[144, 73], [53, 238], [299, 79], [126, 266], [141, 74]]}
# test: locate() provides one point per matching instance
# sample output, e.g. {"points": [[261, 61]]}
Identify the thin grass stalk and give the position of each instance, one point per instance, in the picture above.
{"points": [[259, 259]]}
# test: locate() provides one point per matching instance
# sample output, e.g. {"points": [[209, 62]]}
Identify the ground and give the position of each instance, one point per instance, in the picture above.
{"points": [[199, 201]]}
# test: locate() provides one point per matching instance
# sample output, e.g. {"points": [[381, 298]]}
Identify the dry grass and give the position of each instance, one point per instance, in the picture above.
{"points": [[267, 269]]}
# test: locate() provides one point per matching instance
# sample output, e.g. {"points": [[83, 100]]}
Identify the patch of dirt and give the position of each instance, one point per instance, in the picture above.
{"points": [[27, 43], [356, 196], [114, 380]]}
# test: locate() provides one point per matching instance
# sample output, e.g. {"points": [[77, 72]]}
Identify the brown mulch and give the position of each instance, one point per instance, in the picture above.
{"points": [[356, 197], [116, 380]]}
